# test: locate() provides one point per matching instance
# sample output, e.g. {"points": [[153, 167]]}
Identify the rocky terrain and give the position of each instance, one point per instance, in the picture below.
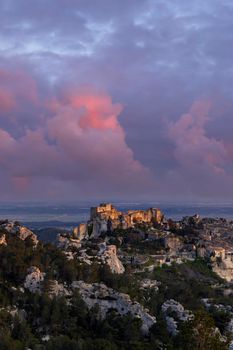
{"points": [[131, 280]]}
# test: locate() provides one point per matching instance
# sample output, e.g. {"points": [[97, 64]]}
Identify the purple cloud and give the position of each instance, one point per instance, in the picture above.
{"points": [[161, 61]]}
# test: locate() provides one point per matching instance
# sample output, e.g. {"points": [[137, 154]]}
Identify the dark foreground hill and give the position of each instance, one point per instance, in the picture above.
{"points": [[50, 300]]}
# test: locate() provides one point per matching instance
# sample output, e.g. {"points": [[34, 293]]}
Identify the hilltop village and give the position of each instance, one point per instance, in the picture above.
{"points": [[163, 280], [131, 235]]}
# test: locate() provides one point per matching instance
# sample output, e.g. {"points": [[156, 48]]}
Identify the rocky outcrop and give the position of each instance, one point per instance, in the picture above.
{"points": [[20, 231], [34, 280], [224, 268], [73, 240], [99, 226], [227, 309], [97, 253], [3, 240], [174, 313], [80, 232], [108, 299], [66, 242], [109, 257], [83, 257], [149, 284]]}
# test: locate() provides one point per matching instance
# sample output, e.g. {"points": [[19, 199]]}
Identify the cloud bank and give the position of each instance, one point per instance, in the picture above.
{"points": [[78, 141], [116, 100]]}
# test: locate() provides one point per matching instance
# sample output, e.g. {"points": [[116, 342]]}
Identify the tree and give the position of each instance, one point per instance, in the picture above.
{"points": [[201, 334]]}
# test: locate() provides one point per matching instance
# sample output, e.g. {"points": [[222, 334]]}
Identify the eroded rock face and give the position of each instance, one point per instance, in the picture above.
{"points": [[23, 233], [20, 231], [224, 269], [107, 255], [108, 299], [110, 258], [66, 242], [34, 279], [3, 240], [97, 253], [171, 307], [99, 227], [74, 240], [80, 232]]}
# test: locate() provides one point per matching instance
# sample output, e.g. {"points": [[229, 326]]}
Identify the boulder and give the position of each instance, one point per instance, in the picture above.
{"points": [[34, 279]]}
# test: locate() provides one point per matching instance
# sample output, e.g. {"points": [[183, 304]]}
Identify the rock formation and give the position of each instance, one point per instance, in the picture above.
{"points": [[110, 258], [149, 284], [107, 255], [80, 232], [108, 299], [99, 226], [224, 268], [34, 279], [97, 253], [66, 242], [20, 231], [3, 240], [172, 307]]}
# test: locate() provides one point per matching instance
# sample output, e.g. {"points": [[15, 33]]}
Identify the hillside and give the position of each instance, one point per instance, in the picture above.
{"points": [[60, 297]]}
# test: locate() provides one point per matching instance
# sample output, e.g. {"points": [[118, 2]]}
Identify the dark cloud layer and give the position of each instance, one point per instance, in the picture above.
{"points": [[116, 99]]}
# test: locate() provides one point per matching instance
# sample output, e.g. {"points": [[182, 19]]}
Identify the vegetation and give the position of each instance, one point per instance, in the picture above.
{"points": [[69, 323]]}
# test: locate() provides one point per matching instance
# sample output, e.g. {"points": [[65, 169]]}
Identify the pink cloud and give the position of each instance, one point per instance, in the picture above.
{"points": [[7, 101], [86, 128], [100, 113], [193, 147], [81, 141]]}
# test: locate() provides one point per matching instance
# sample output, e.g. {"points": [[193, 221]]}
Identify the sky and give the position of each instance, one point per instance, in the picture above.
{"points": [[122, 100]]}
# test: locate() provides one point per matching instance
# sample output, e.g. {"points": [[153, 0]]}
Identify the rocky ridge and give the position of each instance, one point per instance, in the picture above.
{"points": [[108, 299]]}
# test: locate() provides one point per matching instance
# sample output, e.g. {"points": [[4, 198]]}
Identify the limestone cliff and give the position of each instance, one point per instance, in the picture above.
{"points": [[224, 268], [110, 258], [108, 299], [20, 231]]}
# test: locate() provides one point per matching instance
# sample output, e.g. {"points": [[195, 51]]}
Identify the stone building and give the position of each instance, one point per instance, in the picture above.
{"points": [[106, 218], [105, 211]]}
